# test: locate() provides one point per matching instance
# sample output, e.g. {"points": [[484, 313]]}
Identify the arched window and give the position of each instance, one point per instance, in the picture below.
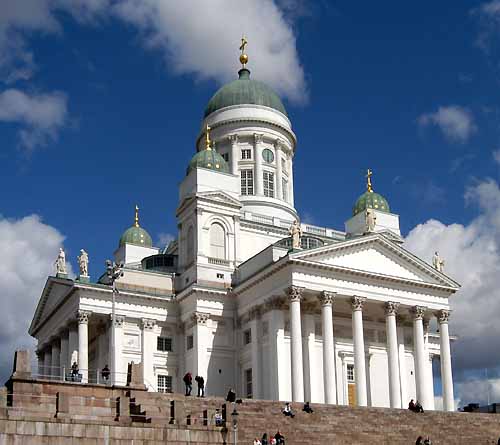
{"points": [[217, 241], [190, 245]]}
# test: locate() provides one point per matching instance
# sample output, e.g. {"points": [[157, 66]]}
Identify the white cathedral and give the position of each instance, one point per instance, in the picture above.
{"points": [[248, 298]]}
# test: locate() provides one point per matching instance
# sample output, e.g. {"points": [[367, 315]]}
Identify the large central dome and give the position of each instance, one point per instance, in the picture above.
{"points": [[244, 91]]}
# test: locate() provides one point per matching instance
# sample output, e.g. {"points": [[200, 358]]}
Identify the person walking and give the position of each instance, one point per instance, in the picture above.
{"points": [[188, 382], [201, 385]]}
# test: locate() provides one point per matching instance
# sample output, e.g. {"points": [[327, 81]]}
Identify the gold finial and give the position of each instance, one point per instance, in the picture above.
{"points": [[207, 138], [243, 56], [369, 174], [136, 224]]}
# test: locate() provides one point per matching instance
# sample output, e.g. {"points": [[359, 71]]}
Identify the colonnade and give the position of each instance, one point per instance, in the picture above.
{"points": [[421, 357]]}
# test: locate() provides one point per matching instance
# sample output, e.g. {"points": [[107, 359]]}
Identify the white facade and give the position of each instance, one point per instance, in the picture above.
{"points": [[343, 320]]}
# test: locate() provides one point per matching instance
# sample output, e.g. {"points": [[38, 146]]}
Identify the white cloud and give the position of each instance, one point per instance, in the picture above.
{"points": [[472, 254], [489, 17], [455, 122], [164, 239], [496, 156], [41, 116], [198, 38], [202, 38], [29, 248]]}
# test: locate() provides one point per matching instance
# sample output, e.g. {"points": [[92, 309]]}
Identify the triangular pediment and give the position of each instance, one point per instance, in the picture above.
{"points": [[377, 255], [55, 289], [220, 197]]}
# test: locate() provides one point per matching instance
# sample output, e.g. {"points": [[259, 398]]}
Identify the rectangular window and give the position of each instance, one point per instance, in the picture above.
{"points": [[164, 383], [247, 337], [284, 188], [247, 182], [350, 373], [246, 153], [248, 383], [269, 184], [189, 342], [164, 344]]}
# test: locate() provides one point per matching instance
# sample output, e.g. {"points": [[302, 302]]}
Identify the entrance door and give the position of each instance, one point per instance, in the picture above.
{"points": [[351, 394], [351, 385]]}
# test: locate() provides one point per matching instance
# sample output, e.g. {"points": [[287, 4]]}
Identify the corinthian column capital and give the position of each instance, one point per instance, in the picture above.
{"points": [[357, 303], [326, 298], [391, 308], [418, 312], [443, 315], [294, 293]]}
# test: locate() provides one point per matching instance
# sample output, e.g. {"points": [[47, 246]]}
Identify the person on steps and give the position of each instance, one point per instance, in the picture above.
{"points": [[256, 441], [280, 439], [412, 406], [231, 396], [287, 411], [418, 407], [264, 440], [188, 382], [307, 408], [201, 385], [420, 441]]}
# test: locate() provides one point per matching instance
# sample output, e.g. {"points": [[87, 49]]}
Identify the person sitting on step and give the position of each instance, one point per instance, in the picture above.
{"points": [[280, 439], [231, 396], [418, 407], [264, 440], [219, 421], [256, 441], [412, 406], [307, 408], [287, 411]]}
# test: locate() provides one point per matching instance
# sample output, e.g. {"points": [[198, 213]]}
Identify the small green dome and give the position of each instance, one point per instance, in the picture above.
{"points": [[244, 91], [136, 235], [370, 200], [208, 159]]}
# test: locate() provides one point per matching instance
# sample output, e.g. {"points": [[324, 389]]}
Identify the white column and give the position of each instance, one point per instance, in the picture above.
{"points": [[290, 180], [277, 388], [446, 373], [200, 346], [308, 356], [257, 152], [39, 355], [403, 381], [118, 372], [392, 354], [72, 344], [429, 379], [295, 295], [359, 350], [279, 173], [419, 353], [83, 344], [148, 346], [235, 153], [47, 361], [255, 351], [329, 380], [56, 359], [64, 350]]}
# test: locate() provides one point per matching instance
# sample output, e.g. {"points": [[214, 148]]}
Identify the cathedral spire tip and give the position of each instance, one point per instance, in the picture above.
{"points": [[369, 187], [243, 55], [136, 223]]}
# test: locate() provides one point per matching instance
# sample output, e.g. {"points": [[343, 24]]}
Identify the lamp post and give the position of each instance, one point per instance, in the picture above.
{"points": [[234, 417], [113, 272]]}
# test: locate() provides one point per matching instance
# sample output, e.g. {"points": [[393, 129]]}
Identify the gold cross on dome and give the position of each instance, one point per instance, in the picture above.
{"points": [[369, 174], [207, 138], [244, 43], [136, 216]]}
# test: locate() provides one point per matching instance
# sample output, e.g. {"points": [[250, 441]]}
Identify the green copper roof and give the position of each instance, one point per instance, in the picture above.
{"points": [[244, 91], [370, 200], [136, 235], [208, 159]]}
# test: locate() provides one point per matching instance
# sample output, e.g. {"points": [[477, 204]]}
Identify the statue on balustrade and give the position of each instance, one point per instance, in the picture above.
{"points": [[370, 220], [61, 262], [296, 232], [438, 262], [83, 262]]}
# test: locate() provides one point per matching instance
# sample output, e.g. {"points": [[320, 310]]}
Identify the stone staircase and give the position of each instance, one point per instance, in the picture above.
{"points": [[330, 424]]}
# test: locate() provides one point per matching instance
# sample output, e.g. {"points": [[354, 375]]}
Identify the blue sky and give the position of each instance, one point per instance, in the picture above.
{"points": [[408, 90]]}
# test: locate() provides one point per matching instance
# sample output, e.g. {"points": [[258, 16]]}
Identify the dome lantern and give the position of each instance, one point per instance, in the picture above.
{"points": [[136, 234], [370, 199]]}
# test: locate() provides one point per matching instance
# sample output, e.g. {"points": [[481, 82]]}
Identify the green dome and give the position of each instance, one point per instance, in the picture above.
{"points": [[208, 159], [136, 235], [370, 200], [244, 91]]}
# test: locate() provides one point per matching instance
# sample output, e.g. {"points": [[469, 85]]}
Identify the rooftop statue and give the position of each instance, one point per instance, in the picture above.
{"points": [[438, 262], [370, 220], [83, 262], [61, 262], [296, 232]]}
